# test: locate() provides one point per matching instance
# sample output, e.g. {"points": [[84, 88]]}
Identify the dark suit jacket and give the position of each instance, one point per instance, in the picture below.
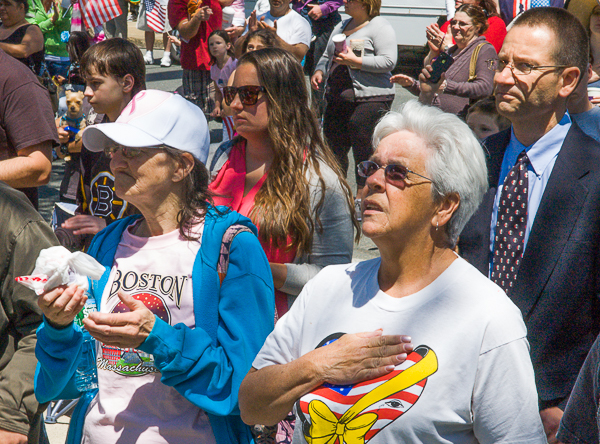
{"points": [[558, 282]]}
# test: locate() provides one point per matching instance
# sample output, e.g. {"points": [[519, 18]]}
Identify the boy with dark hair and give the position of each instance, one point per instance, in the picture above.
{"points": [[114, 71]]}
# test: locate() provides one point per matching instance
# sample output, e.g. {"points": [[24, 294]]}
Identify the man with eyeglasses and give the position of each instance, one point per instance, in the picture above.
{"points": [[537, 232]]}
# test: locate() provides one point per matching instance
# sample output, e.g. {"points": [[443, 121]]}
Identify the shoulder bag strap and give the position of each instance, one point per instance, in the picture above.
{"points": [[228, 237], [473, 64]]}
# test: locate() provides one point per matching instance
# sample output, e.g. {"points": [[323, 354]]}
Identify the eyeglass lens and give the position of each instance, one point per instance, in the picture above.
{"points": [[394, 173], [127, 151], [519, 68]]}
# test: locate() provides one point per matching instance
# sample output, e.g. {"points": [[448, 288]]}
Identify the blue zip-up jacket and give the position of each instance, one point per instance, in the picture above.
{"points": [[206, 364]]}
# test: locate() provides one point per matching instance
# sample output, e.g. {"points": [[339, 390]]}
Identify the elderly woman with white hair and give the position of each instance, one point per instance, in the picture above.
{"points": [[415, 346]]}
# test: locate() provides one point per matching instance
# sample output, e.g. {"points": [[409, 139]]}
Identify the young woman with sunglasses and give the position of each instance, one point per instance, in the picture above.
{"points": [[280, 173]]}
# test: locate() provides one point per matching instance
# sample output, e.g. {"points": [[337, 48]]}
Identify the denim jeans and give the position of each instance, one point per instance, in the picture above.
{"points": [[58, 68]]}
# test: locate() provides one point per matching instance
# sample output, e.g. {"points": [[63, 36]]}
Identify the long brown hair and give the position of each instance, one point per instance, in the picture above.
{"points": [[282, 206]]}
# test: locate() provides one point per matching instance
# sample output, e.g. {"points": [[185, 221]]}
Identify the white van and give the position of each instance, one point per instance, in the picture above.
{"points": [[410, 17]]}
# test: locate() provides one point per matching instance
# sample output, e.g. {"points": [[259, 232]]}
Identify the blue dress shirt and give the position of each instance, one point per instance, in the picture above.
{"points": [[542, 156]]}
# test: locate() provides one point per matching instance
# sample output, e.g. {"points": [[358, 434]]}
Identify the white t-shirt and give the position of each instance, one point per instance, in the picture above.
{"points": [[262, 6], [469, 380], [133, 405], [292, 27]]}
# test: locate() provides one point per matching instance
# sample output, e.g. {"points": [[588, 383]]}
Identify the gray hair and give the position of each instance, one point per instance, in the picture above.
{"points": [[457, 163]]}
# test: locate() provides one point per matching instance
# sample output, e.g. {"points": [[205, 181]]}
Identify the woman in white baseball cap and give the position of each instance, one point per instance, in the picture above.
{"points": [[181, 310]]}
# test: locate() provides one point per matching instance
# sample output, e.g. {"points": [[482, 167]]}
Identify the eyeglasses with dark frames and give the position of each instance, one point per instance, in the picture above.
{"points": [[395, 174], [519, 69], [248, 94]]}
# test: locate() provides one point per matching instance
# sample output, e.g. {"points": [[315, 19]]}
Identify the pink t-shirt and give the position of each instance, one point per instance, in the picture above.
{"points": [[132, 405], [221, 75]]}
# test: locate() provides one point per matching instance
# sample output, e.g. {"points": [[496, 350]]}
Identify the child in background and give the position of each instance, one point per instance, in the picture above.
{"points": [[114, 71], [223, 64], [484, 120], [259, 39], [79, 42]]}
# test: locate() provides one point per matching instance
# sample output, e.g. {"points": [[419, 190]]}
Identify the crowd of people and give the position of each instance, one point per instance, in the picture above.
{"points": [[229, 309]]}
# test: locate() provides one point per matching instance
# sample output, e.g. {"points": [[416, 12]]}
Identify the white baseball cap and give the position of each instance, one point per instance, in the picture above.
{"points": [[154, 118]]}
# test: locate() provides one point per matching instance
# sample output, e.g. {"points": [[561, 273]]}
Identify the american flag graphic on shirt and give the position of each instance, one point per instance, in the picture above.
{"points": [[98, 12], [156, 14], [356, 413]]}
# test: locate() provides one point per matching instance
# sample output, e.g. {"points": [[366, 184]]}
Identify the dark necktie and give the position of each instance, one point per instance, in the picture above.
{"points": [[510, 225]]}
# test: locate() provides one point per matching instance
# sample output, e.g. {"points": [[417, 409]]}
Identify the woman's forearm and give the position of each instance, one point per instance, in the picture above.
{"points": [[15, 50], [472, 90], [279, 274], [189, 28], [268, 395]]}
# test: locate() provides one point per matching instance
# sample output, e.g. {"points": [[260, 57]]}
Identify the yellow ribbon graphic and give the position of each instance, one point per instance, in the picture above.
{"points": [[351, 429], [326, 428]]}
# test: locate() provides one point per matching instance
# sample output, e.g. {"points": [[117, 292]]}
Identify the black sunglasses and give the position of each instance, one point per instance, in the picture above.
{"points": [[248, 94], [395, 173]]}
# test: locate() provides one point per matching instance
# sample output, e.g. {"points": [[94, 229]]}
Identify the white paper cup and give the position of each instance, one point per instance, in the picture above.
{"points": [[339, 40], [358, 47], [228, 13]]}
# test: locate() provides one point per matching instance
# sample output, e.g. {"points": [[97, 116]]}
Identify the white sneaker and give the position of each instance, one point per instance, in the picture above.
{"points": [[166, 60], [149, 58]]}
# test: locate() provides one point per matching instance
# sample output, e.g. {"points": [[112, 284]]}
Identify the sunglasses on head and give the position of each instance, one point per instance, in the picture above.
{"points": [[248, 94], [395, 174], [127, 151]]}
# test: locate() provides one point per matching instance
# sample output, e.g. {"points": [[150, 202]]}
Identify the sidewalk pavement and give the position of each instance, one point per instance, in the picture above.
{"points": [[137, 36]]}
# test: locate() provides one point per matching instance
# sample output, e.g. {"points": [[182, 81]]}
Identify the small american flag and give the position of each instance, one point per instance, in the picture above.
{"points": [[98, 12], [156, 14]]}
